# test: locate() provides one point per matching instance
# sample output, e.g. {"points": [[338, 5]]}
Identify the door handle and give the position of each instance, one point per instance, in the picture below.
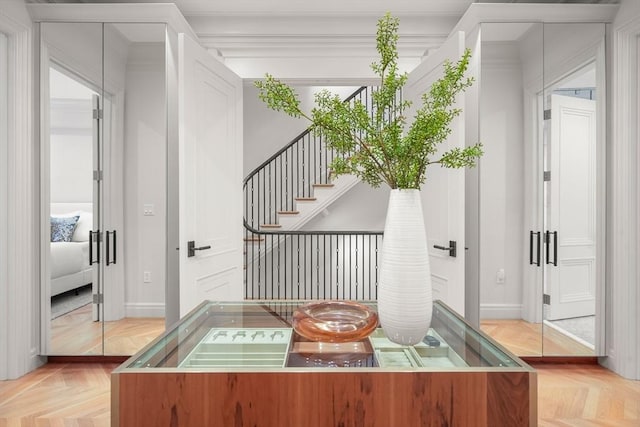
{"points": [[112, 233], [191, 248], [91, 234], [537, 233], [452, 248], [555, 247]]}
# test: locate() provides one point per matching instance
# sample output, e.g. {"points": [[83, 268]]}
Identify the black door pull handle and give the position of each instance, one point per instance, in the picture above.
{"points": [[555, 247], [112, 234], [191, 248], [537, 234], [91, 242], [452, 248]]}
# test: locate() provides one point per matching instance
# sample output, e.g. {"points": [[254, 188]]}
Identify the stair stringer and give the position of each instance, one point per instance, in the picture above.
{"points": [[324, 197]]}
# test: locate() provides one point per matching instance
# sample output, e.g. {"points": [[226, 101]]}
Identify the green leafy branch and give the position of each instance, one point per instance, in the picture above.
{"points": [[374, 146]]}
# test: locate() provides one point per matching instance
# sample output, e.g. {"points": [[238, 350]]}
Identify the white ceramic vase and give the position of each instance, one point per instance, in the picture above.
{"points": [[404, 290]]}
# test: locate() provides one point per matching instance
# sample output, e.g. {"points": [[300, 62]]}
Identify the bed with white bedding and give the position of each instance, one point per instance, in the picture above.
{"points": [[69, 264]]}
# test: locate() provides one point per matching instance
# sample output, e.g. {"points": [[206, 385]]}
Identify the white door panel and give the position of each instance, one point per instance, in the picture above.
{"points": [[443, 191], [210, 174], [571, 276]]}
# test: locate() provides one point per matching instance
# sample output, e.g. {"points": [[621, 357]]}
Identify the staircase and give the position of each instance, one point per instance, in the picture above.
{"points": [[280, 197], [306, 208]]}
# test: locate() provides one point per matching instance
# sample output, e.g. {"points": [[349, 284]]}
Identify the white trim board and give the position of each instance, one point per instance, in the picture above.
{"points": [[4, 191], [19, 329], [500, 311], [144, 310], [623, 273], [113, 13], [561, 13]]}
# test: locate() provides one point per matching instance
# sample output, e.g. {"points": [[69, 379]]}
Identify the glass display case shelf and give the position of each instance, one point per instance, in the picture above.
{"points": [[231, 334], [231, 361], [233, 347]]}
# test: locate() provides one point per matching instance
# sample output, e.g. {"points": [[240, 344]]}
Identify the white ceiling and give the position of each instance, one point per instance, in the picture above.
{"points": [[253, 36], [310, 40], [318, 41]]}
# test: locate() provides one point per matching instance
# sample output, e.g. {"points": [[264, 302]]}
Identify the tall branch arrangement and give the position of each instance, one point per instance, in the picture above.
{"points": [[380, 146]]}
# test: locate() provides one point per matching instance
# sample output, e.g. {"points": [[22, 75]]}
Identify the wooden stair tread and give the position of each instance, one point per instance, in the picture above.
{"points": [[306, 199], [288, 212], [254, 239], [324, 185]]}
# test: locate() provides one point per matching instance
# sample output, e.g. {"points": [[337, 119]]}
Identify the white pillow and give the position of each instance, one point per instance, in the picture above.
{"points": [[84, 225]]}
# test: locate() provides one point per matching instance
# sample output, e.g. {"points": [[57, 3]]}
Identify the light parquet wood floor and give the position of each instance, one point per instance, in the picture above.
{"points": [[76, 333], [66, 395], [533, 339], [78, 395], [586, 395]]}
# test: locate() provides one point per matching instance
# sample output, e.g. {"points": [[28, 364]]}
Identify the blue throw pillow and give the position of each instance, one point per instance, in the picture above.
{"points": [[62, 228]]}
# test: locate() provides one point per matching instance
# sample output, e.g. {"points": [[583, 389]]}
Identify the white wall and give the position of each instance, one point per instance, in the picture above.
{"points": [[145, 179], [71, 169], [266, 131], [71, 141], [362, 208], [501, 177]]}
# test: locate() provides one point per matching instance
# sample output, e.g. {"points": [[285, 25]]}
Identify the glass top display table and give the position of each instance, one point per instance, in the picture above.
{"points": [[242, 364]]}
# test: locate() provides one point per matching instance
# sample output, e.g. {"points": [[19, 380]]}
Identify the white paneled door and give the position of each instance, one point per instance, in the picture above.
{"points": [[443, 192], [210, 176], [570, 207]]}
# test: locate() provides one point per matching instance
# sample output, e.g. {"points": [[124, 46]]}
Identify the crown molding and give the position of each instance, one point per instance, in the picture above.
{"points": [[325, 8], [166, 13], [521, 12]]}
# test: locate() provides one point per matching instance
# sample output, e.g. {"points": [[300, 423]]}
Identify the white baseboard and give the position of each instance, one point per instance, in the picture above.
{"points": [[500, 311], [144, 309]]}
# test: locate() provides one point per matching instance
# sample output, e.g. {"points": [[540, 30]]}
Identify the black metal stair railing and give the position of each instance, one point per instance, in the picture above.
{"points": [[293, 264], [313, 265]]}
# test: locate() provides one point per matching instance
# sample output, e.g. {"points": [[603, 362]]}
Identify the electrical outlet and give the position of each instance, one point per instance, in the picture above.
{"points": [[149, 210], [146, 277]]}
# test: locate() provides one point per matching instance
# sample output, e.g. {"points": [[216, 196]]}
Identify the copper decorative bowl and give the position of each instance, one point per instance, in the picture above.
{"points": [[334, 321]]}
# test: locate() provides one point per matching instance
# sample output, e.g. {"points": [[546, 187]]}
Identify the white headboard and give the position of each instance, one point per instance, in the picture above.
{"points": [[63, 208]]}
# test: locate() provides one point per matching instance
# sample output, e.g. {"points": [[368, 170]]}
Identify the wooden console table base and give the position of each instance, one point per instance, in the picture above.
{"points": [[324, 399]]}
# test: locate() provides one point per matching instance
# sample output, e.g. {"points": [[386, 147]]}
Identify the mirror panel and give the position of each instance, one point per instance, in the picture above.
{"points": [[71, 88], [135, 190], [510, 278], [541, 197], [104, 156], [573, 152]]}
